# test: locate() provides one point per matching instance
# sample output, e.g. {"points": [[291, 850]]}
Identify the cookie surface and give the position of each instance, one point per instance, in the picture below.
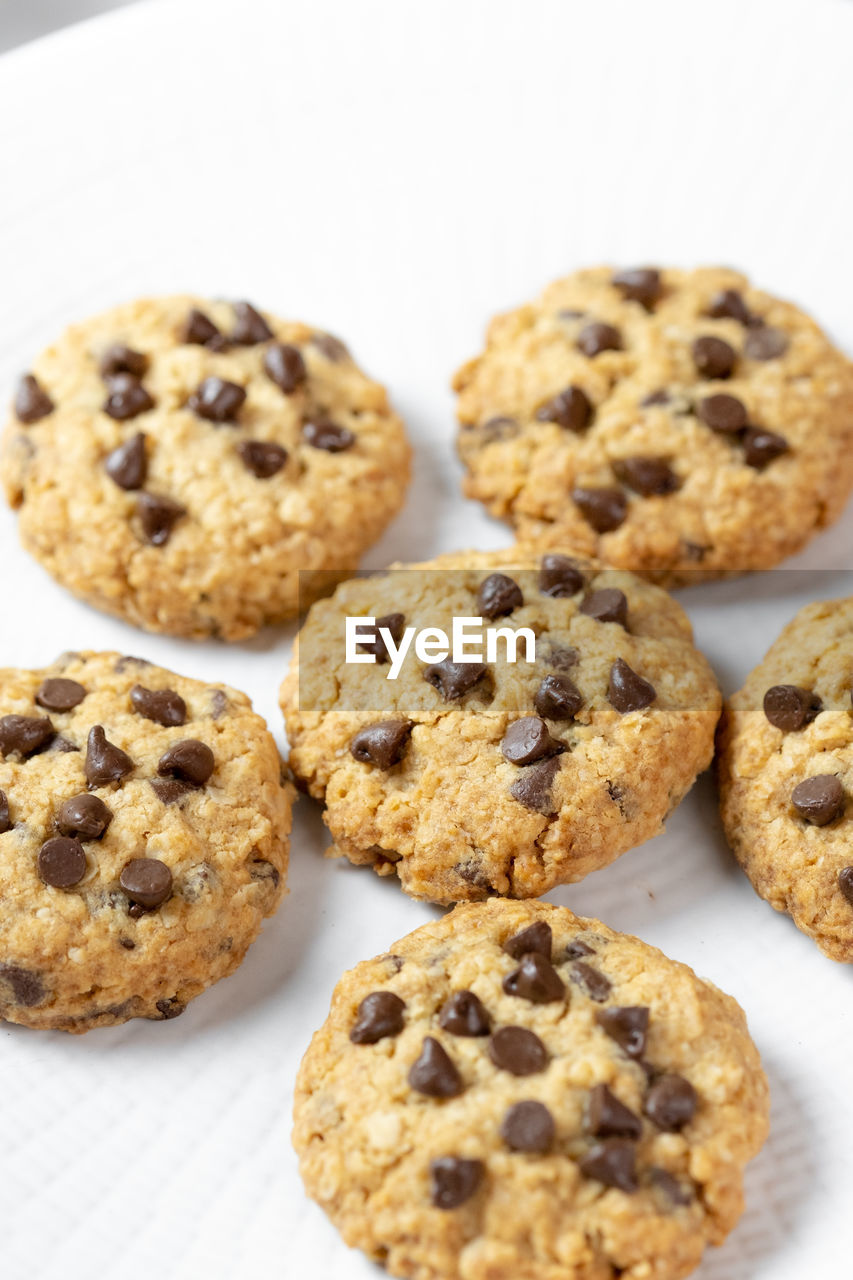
{"points": [[514, 1091], [493, 777], [681, 423], [143, 837], [177, 462], [785, 770]]}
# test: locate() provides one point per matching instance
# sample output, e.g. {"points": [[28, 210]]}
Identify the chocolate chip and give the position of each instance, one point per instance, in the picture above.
{"points": [[560, 577], [517, 1050], [597, 337], [765, 344], [626, 690], [535, 980], [576, 949], [198, 329], [58, 694], [669, 1186], [528, 1126], [217, 400], [284, 365], [190, 760], [433, 1073], [671, 1102], [661, 396], [85, 816], [527, 740], [332, 348], [105, 762], [32, 403], [26, 987], [122, 359], [607, 1117], [262, 457], [722, 413], [558, 698], [395, 625], [493, 429], [24, 734], [146, 881], [58, 743], [762, 447], [845, 882], [158, 516], [609, 604], [163, 706], [713, 357], [498, 596], [628, 1025], [537, 939], [171, 1008], [169, 790], [250, 326], [788, 707], [127, 465], [379, 1015], [728, 304], [562, 657], [533, 788], [62, 862], [5, 820], [322, 433], [463, 1014], [605, 509], [819, 800], [639, 284], [454, 679], [381, 744], [453, 1181], [570, 409], [127, 398], [590, 981], [651, 477], [612, 1162]]}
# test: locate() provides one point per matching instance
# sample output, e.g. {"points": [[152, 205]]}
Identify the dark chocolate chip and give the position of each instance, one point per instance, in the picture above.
{"points": [[628, 1025], [395, 625], [127, 398], [765, 343], [723, 413], [127, 465], [651, 477], [533, 788], [819, 800], [217, 400], [198, 329], [62, 862], [845, 882], [576, 949], [560, 577], [122, 359], [517, 1050], [158, 516], [673, 1190], [528, 1126], [322, 433], [762, 447], [714, 357], [263, 458], [661, 396], [639, 284], [434, 1073], [105, 762], [5, 820], [379, 1015], [628, 691], [127, 944], [332, 348], [454, 679], [24, 734], [527, 740], [558, 698], [169, 790], [26, 987], [607, 1117], [59, 694], [562, 657], [728, 304], [453, 1181], [381, 744], [190, 760], [612, 1162], [463, 1014], [604, 509], [498, 595], [570, 409], [250, 326], [32, 402], [671, 1102], [284, 365], [537, 939], [608, 604], [58, 743], [535, 980], [146, 881], [788, 707], [85, 816], [170, 1008], [163, 706], [591, 981], [597, 337]]}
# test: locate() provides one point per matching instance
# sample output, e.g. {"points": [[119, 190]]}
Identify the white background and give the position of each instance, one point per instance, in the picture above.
{"points": [[396, 172]]}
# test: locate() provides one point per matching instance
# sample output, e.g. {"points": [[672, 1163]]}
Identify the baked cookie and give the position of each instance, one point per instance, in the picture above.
{"points": [[679, 423], [492, 777], [143, 837], [177, 462], [785, 770], [517, 1093]]}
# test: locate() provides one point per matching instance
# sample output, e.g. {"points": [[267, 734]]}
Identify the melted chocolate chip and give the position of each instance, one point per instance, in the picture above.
{"points": [[713, 357], [127, 465], [453, 1181], [322, 433], [789, 707], [146, 881], [454, 679], [332, 348], [26, 988], [199, 329], [604, 509], [527, 740], [570, 409], [122, 359], [627, 691], [158, 516], [533, 788], [381, 744], [250, 326], [127, 398], [729, 305], [845, 882], [5, 820], [32, 403], [628, 1025], [671, 1102], [820, 800], [765, 344], [537, 939], [85, 816], [517, 1050], [105, 762], [639, 284], [163, 706], [217, 400], [189, 760], [560, 577], [558, 698], [169, 790], [284, 365], [263, 458], [171, 1008], [597, 337], [59, 694], [592, 982], [723, 413], [381, 1014], [535, 980], [62, 862], [24, 734], [760, 447], [608, 604], [607, 1117], [651, 477], [395, 625], [498, 596], [463, 1014], [528, 1126], [434, 1073], [612, 1162]]}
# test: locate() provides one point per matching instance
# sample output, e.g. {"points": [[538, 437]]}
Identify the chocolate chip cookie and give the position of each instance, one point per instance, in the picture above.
{"points": [[468, 779], [143, 837], [178, 462], [785, 769], [514, 1091], [679, 423]]}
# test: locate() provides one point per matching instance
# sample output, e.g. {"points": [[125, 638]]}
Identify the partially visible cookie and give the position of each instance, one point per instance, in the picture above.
{"points": [[514, 1091], [492, 777], [178, 462], [143, 837], [680, 423], [785, 770]]}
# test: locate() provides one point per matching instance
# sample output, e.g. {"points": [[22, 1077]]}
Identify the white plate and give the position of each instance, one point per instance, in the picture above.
{"points": [[397, 172]]}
